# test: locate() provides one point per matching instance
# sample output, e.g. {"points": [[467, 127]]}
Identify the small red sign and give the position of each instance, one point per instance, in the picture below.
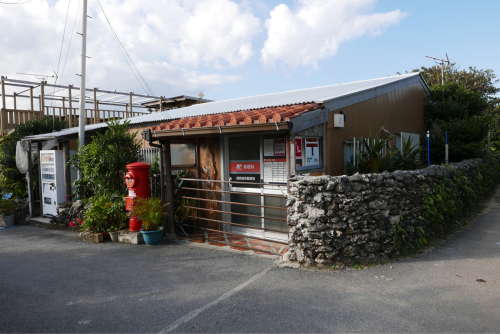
{"points": [[244, 167], [298, 147]]}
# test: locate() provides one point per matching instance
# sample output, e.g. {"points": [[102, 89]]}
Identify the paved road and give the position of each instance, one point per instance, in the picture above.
{"points": [[50, 281]]}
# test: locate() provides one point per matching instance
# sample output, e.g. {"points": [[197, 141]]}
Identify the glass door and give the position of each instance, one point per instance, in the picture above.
{"points": [[258, 159]]}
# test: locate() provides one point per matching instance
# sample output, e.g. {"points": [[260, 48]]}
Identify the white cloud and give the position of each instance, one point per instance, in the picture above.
{"points": [[180, 46], [316, 28]]}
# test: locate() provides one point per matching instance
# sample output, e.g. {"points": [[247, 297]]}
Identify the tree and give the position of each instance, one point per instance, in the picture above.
{"points": [[102, 162], [480, 81], [463, 107], [11, 179]]}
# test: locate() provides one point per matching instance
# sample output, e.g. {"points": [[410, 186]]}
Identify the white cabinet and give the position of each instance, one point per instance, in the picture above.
{"points": [[52, 168]]}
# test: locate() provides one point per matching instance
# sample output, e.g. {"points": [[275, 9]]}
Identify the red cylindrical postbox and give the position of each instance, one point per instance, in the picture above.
{"points": [[137, 181]]}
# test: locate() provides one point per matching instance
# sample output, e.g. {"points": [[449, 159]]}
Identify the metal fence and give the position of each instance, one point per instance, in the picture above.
{"points": [[148, 155]]}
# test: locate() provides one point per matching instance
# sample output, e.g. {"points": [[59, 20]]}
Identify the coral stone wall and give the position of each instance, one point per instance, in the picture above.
{"points": [[350, 219]]}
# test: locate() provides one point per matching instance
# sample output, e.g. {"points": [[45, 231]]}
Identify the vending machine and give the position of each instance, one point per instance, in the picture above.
{"points": [[52, 167]]}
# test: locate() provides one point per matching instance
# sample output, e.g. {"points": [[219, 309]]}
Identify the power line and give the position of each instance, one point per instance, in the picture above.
{"points": [[129, 60], [70, 40], [58, 64], [18, 2]]}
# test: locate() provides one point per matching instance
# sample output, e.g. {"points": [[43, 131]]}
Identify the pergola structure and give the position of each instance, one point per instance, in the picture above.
{"points": [[26, 100]]}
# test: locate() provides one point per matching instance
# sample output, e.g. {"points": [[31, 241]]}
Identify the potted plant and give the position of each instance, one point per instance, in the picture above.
{"points": [[113, 233], [150, 212], [106, 214], [7, 212]]}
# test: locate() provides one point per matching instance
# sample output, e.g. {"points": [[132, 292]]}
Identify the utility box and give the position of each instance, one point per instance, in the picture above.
{"points": [[338, 120], [53, 190]]}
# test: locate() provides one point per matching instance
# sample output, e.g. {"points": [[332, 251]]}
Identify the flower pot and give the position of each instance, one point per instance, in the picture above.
{"points": [[8, 220], [114, 236], [153, 237]]}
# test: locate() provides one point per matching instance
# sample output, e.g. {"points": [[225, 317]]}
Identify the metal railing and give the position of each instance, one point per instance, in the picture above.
{"points": [[208, 196]]}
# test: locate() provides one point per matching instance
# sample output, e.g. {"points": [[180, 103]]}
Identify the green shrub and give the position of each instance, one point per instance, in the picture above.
{"points": [[106, 213], [102, 162]]}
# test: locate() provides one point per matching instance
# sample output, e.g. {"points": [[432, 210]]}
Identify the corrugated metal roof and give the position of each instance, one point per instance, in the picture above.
{"points": [[317, 94]]}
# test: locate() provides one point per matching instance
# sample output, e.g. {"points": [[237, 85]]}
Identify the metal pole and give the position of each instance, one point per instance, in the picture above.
{"points": [[428, 150], [81, 132]]}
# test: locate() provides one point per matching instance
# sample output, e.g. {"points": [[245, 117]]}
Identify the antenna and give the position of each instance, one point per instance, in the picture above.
{"points": [[39, 76], [442, 62]]}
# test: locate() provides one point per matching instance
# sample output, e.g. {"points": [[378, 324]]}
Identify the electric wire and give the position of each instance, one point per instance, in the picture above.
{"points": [[70, 40], [58, 64], [129, 60], [18, 2]]}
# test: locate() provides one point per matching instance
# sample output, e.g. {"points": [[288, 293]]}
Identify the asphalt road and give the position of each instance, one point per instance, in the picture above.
{"points": [[51, 281]]}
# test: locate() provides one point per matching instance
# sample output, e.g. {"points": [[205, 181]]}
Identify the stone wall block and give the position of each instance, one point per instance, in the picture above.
{"points": [[353, 218]]}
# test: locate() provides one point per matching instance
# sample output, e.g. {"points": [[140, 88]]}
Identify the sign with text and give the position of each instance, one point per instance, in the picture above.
{"points": [[279, 147], [312, 151], [246, 167], [298, 148]]}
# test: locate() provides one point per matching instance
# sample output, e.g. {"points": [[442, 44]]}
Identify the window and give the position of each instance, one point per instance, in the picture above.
{"points": [[183, 154], [351, 152], [414, 137]]}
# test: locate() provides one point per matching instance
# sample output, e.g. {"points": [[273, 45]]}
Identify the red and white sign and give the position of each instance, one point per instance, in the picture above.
{"points": [[312, 151], [298, 148], [244, 167]]}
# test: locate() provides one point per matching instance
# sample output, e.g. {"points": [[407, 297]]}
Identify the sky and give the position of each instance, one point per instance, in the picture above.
{"points": [[229, 49]]}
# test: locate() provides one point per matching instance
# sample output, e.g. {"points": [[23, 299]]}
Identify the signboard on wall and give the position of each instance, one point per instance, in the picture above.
{"points": [[298, 148], [244, 166], [279, 147], [268, 148], [312, 151]]}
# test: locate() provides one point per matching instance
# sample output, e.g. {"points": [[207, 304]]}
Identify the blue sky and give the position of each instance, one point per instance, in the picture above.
{"points": [[466, 30], [217, 46]]}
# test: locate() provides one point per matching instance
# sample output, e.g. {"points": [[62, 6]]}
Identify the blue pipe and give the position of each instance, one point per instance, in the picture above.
{"points": [[429, 148]]}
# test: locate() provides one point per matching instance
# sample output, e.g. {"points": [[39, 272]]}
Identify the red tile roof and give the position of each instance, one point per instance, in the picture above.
{"points": [[264, 115]]}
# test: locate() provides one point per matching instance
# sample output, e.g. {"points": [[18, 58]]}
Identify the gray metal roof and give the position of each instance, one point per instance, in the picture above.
{"points": [[317, 94]]}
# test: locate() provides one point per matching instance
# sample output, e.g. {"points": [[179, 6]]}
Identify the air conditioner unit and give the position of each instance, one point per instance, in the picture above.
{"points": [[338, 120]]}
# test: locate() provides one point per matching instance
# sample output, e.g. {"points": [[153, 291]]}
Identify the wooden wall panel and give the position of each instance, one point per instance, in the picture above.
{"points": [[401, 110]]}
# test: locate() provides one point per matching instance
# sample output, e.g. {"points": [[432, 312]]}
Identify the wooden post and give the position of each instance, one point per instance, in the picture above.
{"points": [[65, 114], [126, 111], [169, 190], [4, 106], [13, 115], [67, 169], [29, 177], [42, 98], [32, 105], [162, 178], [288, 158], [161, 103], [96, 116], [39, 146], [131, 104], [70, 119]]}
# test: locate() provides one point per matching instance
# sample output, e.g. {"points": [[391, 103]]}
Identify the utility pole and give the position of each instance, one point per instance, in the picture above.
{"points": [[83, 113], [442, 62]]}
